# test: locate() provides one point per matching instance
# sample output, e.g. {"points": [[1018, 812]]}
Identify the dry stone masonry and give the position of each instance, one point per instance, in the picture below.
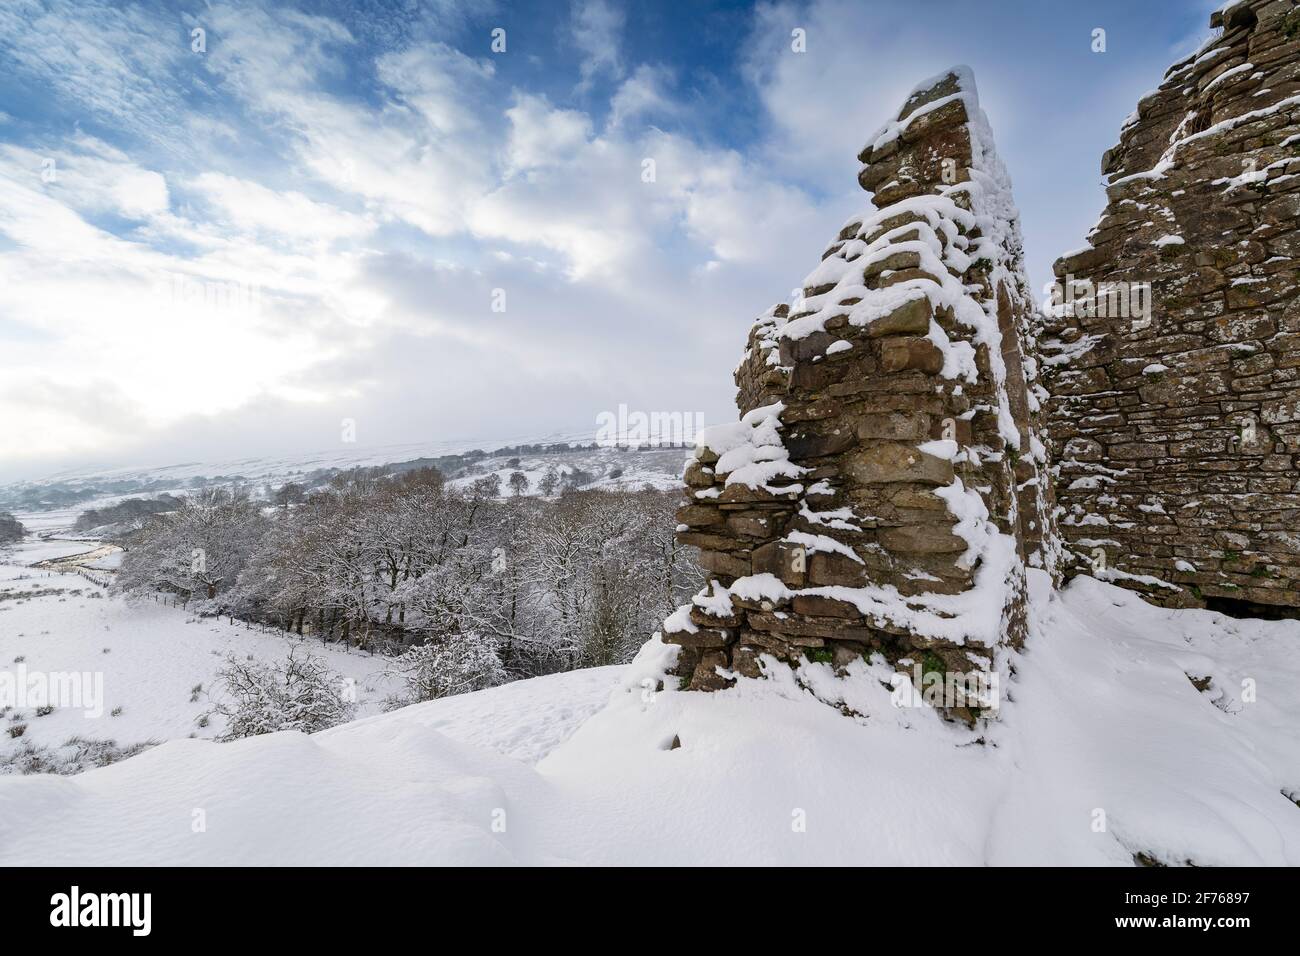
{"points": [[885, 485], [888, 481], [1175, 360]]}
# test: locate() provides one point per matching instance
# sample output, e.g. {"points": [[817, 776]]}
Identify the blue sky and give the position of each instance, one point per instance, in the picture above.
{"points": [[226, 251]]}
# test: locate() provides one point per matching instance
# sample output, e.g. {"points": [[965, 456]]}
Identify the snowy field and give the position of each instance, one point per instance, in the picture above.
{"points": [[151, 657], [1104, 750]]}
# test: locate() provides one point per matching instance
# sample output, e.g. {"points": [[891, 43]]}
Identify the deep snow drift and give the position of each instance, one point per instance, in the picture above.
{"points": [[1104, 749]]}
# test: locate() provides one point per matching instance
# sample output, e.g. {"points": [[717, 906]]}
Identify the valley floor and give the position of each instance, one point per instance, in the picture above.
{"points": [[156, 663], [1104, 750]]}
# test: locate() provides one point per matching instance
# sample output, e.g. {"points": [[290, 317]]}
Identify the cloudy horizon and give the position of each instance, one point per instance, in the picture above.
{"points": [[226, 228]]}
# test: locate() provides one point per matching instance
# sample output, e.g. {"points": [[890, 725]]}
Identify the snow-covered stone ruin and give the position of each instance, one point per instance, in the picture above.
{"points": [[891, 476], [1174, 363], [885, 485]]}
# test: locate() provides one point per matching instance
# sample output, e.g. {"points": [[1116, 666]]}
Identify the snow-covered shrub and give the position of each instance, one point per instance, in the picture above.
{"points": [[458, 665], [298, 693]]}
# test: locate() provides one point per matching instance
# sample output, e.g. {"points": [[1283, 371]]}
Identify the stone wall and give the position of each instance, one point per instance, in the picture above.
{"points": [[1175, 365], [885, 485]]}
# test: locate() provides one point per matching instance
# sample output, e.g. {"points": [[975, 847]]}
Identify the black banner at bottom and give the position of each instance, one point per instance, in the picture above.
{"points": [[340, 905]]}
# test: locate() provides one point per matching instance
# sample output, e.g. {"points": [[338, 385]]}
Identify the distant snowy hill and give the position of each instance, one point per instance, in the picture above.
{"points": [[1105, 750], [461, 461]]}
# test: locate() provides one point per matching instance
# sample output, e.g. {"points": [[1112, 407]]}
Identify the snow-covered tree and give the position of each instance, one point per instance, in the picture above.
{"points": [[488, 486], [200, 548], [384, 562], [11, 529], [297, 693]]}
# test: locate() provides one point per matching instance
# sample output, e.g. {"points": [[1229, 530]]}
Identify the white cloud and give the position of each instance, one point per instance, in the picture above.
{"points": [[541, 135], [272, 56], [824, 103], [643, 93], [165, 335], [439, 83], [596, 28], [109, 59], [91, 176], [250, 206], [419, 157]]}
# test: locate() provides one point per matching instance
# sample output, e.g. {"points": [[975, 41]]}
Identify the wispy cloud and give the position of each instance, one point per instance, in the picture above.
{"points": [[597, 27]]}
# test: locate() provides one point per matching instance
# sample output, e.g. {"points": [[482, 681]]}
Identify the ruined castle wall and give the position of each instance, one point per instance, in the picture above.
{"points": [[885, 484], [1175, 353]]}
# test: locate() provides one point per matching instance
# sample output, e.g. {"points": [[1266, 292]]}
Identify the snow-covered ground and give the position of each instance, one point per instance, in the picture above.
{"points": [[150, 657], [1104, 749]]}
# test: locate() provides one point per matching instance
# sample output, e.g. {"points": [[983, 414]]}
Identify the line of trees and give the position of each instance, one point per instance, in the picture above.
{"points": [[128, 512], [483, 588]]}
